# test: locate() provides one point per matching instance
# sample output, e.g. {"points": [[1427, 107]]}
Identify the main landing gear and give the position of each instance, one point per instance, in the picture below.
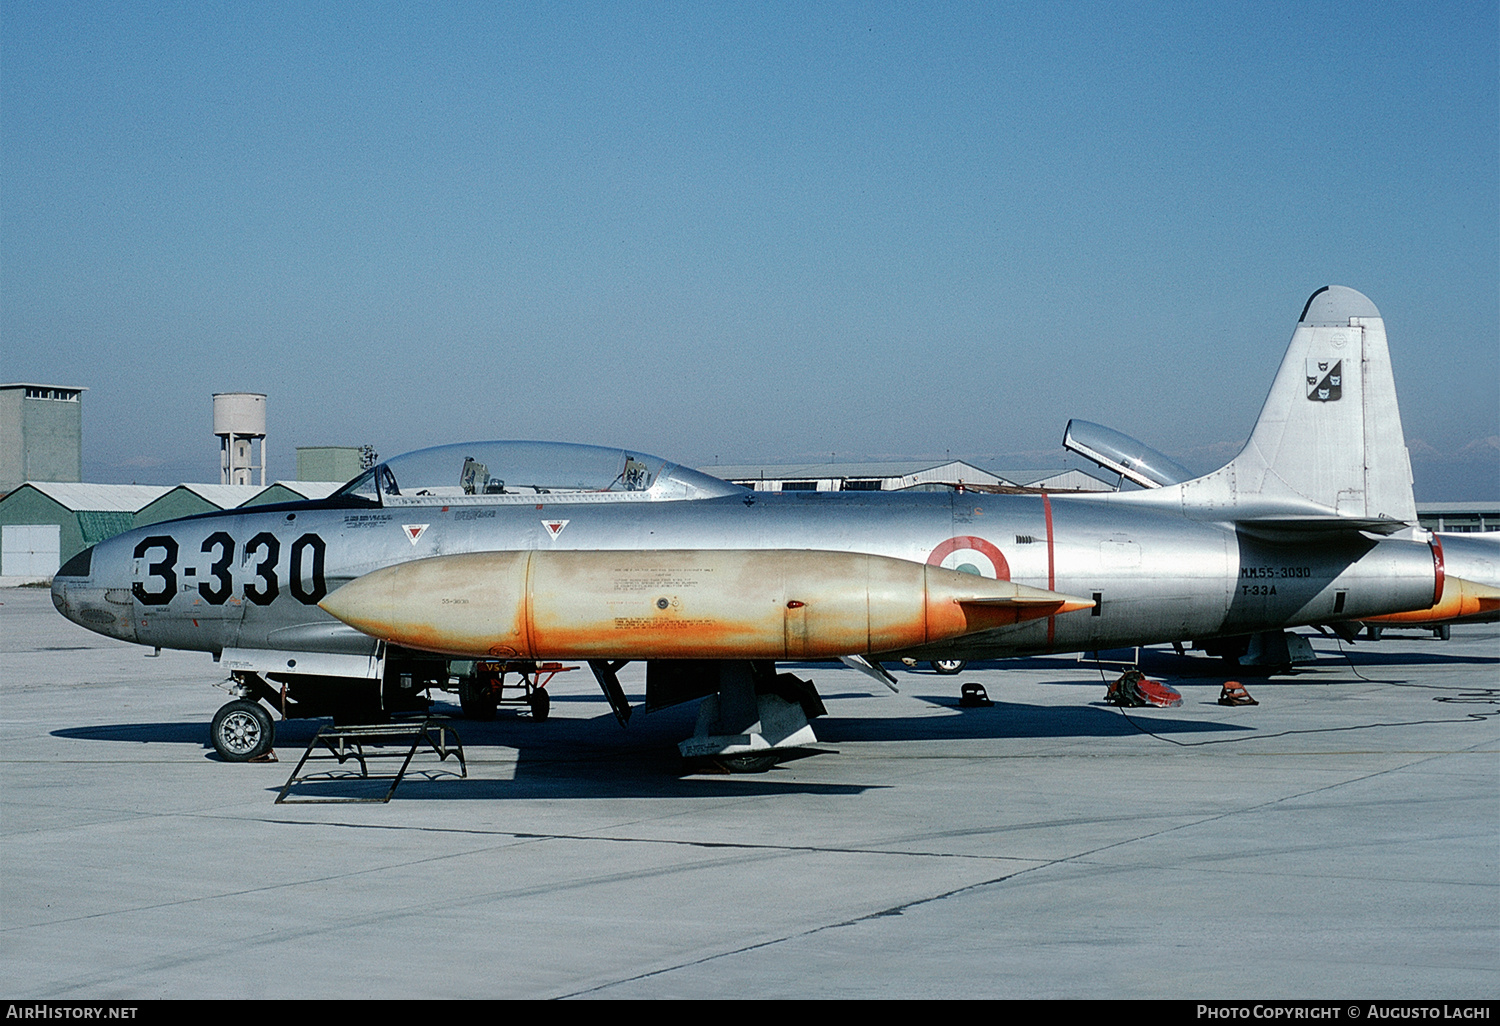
{"points": [[946, 667], [480, 693], [755, 719]]}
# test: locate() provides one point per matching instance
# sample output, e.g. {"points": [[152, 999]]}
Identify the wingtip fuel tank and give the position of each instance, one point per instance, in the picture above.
{"points": [[664, 604]]}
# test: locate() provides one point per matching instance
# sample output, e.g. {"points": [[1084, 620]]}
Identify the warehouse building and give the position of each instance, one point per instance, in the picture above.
{"points": [[329, 462], [1065, 479], [900, 475], [887, 476], [1459, 517], [294, 491]]}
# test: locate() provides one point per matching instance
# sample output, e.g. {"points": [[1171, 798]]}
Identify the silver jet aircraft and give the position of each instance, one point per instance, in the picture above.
{"points": [[507, 552]]}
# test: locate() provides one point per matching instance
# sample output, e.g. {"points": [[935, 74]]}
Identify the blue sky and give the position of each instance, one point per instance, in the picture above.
{"points": [[743, 232]]}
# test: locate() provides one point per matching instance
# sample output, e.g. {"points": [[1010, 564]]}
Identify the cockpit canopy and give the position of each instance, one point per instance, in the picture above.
{"points": [[1131, 459], [482, 473]]}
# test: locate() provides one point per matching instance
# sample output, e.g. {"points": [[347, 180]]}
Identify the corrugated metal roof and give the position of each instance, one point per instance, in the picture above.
{"points": [[1491, 508], [222, 495], [807, 471], [38, 384], [312, 489], [118, 498], [293, 491], [912, 471], [1063, 475]]}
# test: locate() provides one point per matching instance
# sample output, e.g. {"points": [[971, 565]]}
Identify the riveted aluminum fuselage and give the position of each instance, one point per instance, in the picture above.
{"points": [[250, 580]]}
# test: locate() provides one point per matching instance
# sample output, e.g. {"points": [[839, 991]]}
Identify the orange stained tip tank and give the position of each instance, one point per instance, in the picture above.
{"points": [[733, 603]]}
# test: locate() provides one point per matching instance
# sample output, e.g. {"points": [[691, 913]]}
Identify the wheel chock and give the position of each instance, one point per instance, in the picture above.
{"points": [[1234, 693], [972, 696], [1133, 688]]}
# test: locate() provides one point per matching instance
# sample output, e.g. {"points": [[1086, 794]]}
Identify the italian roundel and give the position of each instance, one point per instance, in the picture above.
{"points": [[971, 555]]}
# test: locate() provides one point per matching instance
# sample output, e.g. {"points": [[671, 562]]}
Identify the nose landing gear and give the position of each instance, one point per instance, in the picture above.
{"points": [[242, 731]]}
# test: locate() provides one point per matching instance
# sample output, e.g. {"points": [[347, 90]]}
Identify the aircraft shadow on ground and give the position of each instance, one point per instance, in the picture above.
{"points": [[1011, 720], [192, 733], [576, 759], [652, 738], [1197, 668], [586, 779], [660, 730], [1373, 657]]}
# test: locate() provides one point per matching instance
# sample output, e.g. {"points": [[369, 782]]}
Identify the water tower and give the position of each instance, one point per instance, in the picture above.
{"points": [[240, 421]]}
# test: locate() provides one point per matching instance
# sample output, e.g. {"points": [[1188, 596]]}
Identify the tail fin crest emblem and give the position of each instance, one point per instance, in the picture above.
{"points": [[1325, 380]]}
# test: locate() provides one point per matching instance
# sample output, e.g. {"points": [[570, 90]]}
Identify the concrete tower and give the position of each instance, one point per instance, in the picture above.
{"points": [[41, 434], [240, 421]]}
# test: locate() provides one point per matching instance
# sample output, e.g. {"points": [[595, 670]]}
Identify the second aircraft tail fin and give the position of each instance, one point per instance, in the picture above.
{"points": [[1329, 441]]}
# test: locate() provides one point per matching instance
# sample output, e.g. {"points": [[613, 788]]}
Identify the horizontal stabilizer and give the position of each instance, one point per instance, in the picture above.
{"points": [[1303, 526]]}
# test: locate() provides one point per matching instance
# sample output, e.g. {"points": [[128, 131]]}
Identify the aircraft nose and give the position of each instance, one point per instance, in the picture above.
{"points": [[73, 573], [82, 596]]}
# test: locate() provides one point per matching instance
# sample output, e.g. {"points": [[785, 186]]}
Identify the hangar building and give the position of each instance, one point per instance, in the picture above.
{"points": [[1459, 517], [43, 524], [190, 499], [902, 475]]}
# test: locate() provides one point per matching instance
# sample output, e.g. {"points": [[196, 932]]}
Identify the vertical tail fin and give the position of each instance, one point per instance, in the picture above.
{"points": [[1329, 437]]}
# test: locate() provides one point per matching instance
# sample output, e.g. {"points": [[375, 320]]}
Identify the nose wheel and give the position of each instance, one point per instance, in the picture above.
{"points": [[242, 730]]}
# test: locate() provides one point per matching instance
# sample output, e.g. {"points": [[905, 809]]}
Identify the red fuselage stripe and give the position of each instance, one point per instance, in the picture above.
{"points": [[1051, 564], [1437, 569]]}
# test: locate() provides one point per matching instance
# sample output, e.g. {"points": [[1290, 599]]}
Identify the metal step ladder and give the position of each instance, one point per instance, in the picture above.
{"points": [[364, 743]]}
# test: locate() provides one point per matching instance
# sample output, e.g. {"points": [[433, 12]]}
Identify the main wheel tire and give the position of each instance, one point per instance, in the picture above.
{"points": [[242, 730], [541, 704], [948, 667], [478, 701], [747, 763]]}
